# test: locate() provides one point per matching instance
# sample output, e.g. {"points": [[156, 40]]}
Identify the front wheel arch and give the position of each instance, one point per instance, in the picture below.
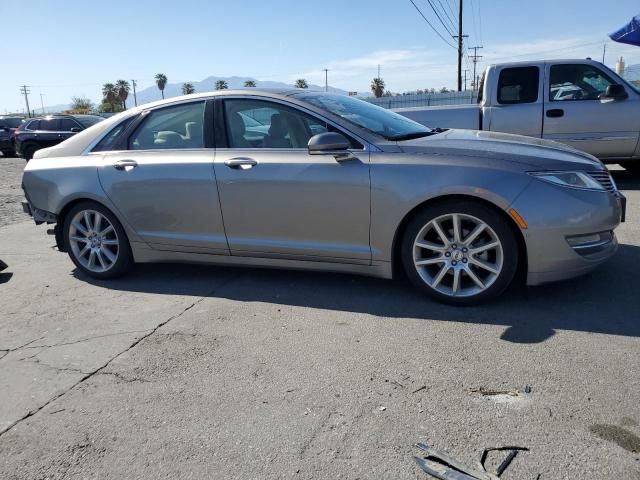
{"points": [[397, 239]]}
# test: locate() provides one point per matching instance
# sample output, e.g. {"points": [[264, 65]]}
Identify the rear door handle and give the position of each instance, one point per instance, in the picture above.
{"points": [[241, 163], [555, 113], [123, 164]]}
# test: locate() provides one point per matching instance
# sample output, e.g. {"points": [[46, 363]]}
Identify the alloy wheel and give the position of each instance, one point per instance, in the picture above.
{"points": [[93, 241], [458, 255]]}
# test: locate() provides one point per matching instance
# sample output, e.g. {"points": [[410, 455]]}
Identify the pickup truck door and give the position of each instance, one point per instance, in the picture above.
{"points": [[576, 114], [516, 103]]}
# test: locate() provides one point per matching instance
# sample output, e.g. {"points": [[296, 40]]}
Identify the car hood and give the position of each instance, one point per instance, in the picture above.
{"points": [[532, 153]]}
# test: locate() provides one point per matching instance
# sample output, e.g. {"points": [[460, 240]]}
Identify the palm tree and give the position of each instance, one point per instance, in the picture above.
{"points": [[187, 88], [377, 87], [301, 83], [122, 88], [109, 93], [161, 81], [249, 83], [221, 85]]}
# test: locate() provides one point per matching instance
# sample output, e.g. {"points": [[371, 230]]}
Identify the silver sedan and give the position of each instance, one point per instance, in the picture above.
{"points": [[309, 180]]}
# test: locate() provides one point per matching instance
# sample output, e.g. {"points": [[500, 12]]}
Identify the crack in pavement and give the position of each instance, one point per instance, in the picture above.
{"points": [[8, 350], [73, 342], [87, 376], [124, 378]]}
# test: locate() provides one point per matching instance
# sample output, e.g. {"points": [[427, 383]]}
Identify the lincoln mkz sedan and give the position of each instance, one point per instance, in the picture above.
{"points": [[319, 181]]}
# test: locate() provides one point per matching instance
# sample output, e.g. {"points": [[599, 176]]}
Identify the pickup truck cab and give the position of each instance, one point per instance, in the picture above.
{"points": [[578, 102]]}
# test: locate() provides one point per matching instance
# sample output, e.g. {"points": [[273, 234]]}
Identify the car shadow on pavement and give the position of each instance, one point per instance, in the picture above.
{"points": [[605, 301]]}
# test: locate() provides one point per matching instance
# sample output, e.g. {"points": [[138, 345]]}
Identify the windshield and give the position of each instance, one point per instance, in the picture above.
{"points": [[376, 119], [624, 80], [89, 120]]}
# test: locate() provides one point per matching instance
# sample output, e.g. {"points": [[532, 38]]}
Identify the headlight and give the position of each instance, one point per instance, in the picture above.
{"points": [[580, 180]]}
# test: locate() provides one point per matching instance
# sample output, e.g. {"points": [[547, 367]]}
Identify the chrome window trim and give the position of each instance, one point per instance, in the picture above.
{"points": [[367, 146]]}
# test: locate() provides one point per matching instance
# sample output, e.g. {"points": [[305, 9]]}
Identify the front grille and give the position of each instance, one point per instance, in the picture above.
{"points": [[603, 177]]}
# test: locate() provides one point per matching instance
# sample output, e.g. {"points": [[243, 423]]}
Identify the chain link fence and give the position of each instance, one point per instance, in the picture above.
{"points": [[425, 99]]}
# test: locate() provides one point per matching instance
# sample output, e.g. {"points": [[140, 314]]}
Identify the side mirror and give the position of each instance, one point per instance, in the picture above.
{"points": [[75, 130], [328, 143], [616, 92]]}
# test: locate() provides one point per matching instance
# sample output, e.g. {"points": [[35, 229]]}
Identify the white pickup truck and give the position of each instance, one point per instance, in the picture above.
{"points": [[579, 102]]}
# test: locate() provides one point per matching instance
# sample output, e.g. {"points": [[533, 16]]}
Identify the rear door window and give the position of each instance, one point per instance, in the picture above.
{"points": [[518, 85], [66, 124], [176, 127], [49, 125], [111, 139]]}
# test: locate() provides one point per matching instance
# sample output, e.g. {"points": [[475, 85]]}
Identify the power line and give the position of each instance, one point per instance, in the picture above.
{"points": [[429, 23], [450, 32], [444, 10], [574, 47]]}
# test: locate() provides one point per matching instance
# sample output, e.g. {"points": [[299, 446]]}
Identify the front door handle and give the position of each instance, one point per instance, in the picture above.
{"points": [[241, 163], [555, 113], [125, 164]]}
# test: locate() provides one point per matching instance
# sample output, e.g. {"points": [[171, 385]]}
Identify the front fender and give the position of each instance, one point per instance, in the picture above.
{"points": [[400, 185]]}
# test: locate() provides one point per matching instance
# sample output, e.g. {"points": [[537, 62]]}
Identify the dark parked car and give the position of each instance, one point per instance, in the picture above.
{"points": [[8, 125], [37, 133]]}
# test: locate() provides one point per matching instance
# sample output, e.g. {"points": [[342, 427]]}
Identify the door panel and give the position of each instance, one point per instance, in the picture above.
{"points": [[575, 115], [518, 103], [169, 197], [295, 205]]}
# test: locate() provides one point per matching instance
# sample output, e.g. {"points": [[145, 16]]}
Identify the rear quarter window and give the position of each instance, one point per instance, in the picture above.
{"points": [[518, 85]]}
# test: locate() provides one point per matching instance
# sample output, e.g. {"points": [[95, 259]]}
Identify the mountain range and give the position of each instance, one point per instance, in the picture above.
{"points": [[151, 94]]}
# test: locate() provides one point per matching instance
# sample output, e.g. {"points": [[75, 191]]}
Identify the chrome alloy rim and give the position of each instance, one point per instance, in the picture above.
{"points": [[94, 242], [458, 255]]}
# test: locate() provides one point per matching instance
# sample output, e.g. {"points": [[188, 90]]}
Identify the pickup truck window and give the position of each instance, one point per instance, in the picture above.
{"points": [[518, 85], [577, 82]]}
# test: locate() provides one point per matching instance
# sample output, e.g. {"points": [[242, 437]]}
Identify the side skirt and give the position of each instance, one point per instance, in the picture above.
{"points": [[143, 254]]}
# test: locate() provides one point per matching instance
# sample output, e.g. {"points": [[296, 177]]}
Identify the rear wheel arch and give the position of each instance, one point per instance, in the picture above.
{"points": [[67, 208], [397, 239]]}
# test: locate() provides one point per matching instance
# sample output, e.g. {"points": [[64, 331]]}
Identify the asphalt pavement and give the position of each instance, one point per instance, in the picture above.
{"points": [[181, 371]]}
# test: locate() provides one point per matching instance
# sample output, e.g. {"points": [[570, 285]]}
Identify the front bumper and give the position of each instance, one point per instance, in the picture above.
{"points": [[556, 214]]}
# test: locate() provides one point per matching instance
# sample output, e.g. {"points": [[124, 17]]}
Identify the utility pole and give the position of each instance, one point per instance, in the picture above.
{"points": [[326, 79], [378, 70], [135, 99], [41, 102], [604, 52], [475, 57], [460, 38], [25, 90], [465, 79]]}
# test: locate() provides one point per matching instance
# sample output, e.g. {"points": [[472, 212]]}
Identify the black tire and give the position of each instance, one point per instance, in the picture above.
{"points": [[28, 151], [8, 153], [124, 258], [499, 227]]}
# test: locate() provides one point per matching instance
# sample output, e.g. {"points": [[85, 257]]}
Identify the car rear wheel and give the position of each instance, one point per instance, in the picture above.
{"points": [[96, 241], [460, 252], [28, 152], [8, 153]]}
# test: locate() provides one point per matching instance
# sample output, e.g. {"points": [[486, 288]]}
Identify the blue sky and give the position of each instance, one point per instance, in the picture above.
{"points": [[70, 47]]}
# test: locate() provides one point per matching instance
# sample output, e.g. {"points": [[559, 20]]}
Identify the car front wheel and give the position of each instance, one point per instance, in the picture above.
{"points": [[460, 252], [96, 241]]}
